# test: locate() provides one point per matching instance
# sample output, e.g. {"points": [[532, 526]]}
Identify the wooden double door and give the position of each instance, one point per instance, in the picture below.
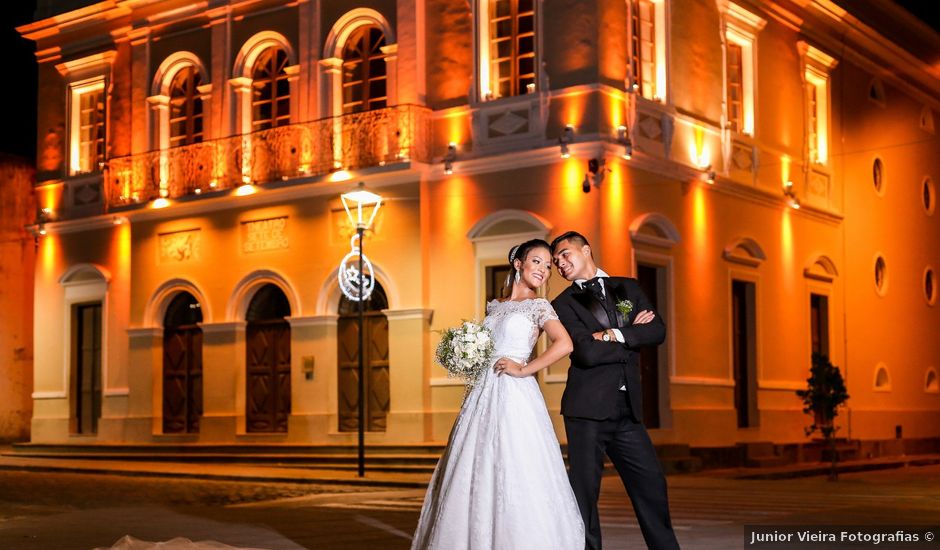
{"points": [[182, 379], [375, 366], [267, 398]]}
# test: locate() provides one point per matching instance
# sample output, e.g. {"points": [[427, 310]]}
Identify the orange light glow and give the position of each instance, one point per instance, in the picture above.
{"points": [[698, 151], [123, 242], [701, 269], [573, 110], [615, 107], [339, 175], [245, 189], [49, 197], [455, 129], [456, 205], [573, 201], [785, 163], [614, 219], [786, 247], [47, 257]]}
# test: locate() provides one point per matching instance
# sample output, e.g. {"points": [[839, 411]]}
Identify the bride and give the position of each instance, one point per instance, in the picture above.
{"points": [[501, 482]]}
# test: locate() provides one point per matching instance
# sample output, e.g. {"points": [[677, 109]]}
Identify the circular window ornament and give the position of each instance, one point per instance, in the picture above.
{"points": [[929, 195], [881, 275], [878, 176], [930, 286]]}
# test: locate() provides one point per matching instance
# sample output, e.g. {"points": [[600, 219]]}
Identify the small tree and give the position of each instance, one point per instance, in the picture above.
{"points": [[824, 394]]}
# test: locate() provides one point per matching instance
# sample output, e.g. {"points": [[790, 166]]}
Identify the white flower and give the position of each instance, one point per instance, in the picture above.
{"points": [[465, 351]]}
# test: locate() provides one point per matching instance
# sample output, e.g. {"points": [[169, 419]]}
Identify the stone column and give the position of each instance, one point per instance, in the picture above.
{"points": [[407, 339], [410, 72], [223, 381], [219, 125], [140, 87], [145, 383], [313, 378]]}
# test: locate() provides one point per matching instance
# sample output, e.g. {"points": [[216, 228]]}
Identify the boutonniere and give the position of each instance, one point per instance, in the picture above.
{"points": [[625, 307]]}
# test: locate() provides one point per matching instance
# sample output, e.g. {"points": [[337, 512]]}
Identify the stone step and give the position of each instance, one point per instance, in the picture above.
{"points": [[196, 450], [765, 462], [758, 449], [681, 465]]}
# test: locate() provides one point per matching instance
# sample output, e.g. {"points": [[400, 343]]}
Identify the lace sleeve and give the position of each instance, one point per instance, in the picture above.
{"points": [[544, 312]]}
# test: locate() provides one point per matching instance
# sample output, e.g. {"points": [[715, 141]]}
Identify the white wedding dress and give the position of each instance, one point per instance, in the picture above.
{"points": [[501, 483]]}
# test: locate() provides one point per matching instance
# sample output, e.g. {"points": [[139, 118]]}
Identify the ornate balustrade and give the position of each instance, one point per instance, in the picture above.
{"points": [[349, 142]]}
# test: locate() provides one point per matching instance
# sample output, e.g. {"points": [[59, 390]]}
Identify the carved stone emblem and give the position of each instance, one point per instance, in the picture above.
{"points": [[180, 246]]}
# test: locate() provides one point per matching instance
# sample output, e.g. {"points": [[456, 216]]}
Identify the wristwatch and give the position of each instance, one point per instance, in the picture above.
{"points": [[606, 336]]}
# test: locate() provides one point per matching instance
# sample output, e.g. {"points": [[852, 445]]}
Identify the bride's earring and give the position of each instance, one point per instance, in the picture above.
{"points": [[518, 276]]}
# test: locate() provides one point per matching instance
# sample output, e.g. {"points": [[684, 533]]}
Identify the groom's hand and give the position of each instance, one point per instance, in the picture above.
{"points": [[644, 317]]}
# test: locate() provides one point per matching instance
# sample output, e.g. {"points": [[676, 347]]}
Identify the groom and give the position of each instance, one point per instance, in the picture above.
{"points": [[609, 319]]}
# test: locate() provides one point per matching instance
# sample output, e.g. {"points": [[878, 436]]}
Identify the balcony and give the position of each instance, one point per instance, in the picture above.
{"points": [[347, 142]]}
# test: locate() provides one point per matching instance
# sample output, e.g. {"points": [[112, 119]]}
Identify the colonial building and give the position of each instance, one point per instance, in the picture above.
{"points": [[766, 169]]}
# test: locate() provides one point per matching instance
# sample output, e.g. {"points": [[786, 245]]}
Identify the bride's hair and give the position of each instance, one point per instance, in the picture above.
{"points": [[521, 252]]}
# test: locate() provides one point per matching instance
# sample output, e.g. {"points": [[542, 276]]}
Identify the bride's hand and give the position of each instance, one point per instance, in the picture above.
{"points": [[507, 366]]}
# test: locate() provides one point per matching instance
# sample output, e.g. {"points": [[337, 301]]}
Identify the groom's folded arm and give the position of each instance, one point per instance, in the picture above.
{"points": [[646, 334], [588, 352]]}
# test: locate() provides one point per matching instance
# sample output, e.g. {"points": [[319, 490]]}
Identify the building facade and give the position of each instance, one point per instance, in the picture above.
{"points": [[18, 249], [766, 169]]}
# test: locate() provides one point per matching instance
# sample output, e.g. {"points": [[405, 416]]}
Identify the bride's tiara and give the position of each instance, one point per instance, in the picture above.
{"points": [[512, 254]]}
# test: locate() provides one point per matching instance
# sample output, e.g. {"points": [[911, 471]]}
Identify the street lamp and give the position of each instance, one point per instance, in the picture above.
{"points": [[361, 207]]}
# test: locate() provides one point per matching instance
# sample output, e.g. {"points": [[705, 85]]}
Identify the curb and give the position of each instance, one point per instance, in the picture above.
{"points": [[365, 482], [841, 468]]}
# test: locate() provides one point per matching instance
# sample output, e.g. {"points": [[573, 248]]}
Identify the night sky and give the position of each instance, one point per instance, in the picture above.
{"points": [[19, 96]]}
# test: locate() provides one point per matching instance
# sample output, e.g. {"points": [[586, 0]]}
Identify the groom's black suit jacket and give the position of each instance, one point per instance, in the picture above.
{"points": [[598, 368]]}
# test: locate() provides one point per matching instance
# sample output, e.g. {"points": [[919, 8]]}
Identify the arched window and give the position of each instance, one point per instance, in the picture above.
{"points": [[186, 109], [365, 81], [270, 98]]}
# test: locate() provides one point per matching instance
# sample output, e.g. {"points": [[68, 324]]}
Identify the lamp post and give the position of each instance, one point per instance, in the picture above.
{"points": [[358, 204]]}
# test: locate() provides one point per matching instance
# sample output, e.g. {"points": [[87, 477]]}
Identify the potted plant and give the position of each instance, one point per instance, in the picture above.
{"points": [[825, 392]]}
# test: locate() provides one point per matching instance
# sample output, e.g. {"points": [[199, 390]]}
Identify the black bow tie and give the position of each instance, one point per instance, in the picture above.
{"points": [[595, 287]]}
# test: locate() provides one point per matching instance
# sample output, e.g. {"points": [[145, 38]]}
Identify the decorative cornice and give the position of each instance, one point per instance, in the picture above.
{"points": [[49, 55], [99, 12], [427, 315], [701, 381], [223, 327], [144, 332], [326, 320], [87, 66], [49, 395]]}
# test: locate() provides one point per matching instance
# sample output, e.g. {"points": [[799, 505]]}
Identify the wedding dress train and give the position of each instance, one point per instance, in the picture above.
{"points": [[501, 483]]}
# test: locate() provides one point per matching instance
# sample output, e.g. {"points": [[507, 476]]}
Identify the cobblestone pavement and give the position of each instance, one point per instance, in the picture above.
{"points": [[57, 511]]}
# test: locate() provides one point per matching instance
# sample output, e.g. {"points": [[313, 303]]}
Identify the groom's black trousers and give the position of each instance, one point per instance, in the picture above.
{"points": [[630, 450]]}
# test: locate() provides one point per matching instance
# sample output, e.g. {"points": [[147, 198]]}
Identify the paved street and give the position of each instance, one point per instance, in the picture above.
{"points": [[61, 511]]}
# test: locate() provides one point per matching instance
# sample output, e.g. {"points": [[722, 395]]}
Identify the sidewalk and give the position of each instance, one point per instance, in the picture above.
{"points": [[286, 473]]}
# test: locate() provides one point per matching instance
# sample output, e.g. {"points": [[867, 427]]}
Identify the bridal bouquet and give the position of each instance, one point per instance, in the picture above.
{"points": [[465, 351]]}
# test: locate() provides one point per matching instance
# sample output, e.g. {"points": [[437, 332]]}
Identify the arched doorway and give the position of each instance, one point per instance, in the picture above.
{"points": [[182, 365], [267, 397], [375, 347]]}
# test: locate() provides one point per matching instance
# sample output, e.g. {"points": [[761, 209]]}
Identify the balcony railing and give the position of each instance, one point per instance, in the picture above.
{"points": [[348, 142]]}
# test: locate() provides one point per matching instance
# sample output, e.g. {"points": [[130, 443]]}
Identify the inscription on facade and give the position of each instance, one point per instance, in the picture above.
{"points": [[180, 246], [261, 235]]}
